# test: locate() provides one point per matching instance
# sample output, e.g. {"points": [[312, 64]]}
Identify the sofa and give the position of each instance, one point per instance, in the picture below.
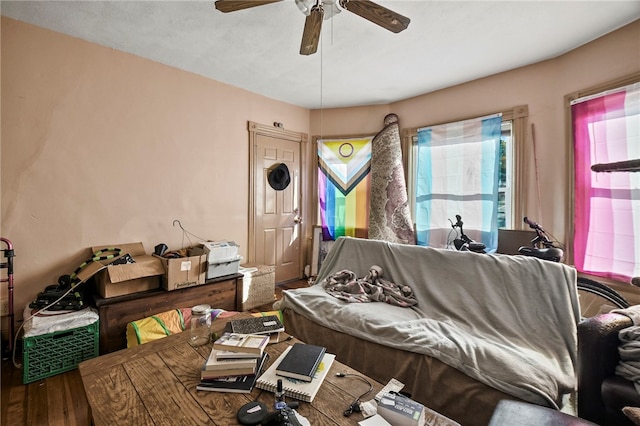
{"points": [[485, 327], [601, 394]]}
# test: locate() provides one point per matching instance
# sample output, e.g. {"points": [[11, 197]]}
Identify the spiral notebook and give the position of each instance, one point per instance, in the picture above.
{"points": [[297, 389]]}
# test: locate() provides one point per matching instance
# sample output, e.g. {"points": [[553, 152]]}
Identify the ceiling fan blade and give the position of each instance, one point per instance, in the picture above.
{"points": [[233, 5], [377, 14], [312, 28]]}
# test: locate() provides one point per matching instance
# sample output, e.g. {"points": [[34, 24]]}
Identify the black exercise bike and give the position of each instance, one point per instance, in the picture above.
{"points": [[593, 294], [541, 246], [462, 242]]}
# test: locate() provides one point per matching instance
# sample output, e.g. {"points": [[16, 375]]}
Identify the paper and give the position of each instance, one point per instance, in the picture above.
{"points": [[369, 408], [376, 420], [394, 385]]}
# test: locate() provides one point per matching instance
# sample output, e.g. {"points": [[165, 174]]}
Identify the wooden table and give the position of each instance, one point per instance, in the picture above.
{"points": [[155, 384]]}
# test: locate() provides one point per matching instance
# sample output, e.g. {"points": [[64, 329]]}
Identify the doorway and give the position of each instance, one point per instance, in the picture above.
{"points": [[276, 227]]}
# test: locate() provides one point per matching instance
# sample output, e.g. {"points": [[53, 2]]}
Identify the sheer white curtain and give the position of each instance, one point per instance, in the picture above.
{"points": [[457, 174]]}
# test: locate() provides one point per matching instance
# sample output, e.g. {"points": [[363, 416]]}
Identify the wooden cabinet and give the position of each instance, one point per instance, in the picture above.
{"points": [[116, 312]]}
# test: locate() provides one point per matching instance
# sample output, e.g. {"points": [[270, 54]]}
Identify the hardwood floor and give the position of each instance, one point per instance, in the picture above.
{"points": [[57, 400], [60, 400]]}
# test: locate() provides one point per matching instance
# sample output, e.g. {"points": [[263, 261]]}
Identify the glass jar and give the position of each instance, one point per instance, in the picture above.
{"points": [[200, 325]]}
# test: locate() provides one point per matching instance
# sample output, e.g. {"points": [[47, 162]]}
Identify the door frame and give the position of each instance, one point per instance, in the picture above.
{"points": [[255, 130]]}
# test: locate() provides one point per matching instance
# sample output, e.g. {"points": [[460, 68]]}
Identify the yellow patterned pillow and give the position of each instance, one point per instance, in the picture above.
{"points": [[155, 327]]}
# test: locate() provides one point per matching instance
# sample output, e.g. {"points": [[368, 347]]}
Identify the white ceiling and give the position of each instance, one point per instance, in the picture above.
{"points": [[357, 63]]}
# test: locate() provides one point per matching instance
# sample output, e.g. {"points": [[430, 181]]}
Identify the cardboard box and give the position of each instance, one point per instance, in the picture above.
{"points": [[229, 267], [118, 280], [220, 251], [183, 271]]}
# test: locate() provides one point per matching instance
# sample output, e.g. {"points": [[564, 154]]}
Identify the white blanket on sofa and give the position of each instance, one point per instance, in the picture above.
{"points": [[507, 321]]}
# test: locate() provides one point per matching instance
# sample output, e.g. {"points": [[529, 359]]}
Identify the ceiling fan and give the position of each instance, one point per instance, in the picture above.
{"points": [[317, 10]]}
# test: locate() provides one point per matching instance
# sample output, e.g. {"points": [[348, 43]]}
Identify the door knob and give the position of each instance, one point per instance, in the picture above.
{"points": [[297, 219]]}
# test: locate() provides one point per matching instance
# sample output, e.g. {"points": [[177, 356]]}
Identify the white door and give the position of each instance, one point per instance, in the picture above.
{"points": [[277, 216]]}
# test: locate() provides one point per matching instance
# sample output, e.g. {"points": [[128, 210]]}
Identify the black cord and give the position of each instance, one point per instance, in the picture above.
{"points": [[354, 407]]}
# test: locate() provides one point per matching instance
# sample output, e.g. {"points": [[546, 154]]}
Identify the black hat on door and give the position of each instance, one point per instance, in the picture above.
{"points": [[279, 177]]}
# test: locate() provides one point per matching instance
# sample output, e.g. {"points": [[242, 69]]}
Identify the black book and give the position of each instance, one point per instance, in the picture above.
{"points": [[237, 384], [301, 362], [257, 325]]}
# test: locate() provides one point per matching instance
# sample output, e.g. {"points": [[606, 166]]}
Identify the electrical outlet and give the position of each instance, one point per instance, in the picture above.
{"points": [[4, 307]]}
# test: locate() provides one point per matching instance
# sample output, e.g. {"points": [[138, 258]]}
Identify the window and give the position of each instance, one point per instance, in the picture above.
{"points": [[509, 207], [505, 183], [606, 132], [505, 188]]}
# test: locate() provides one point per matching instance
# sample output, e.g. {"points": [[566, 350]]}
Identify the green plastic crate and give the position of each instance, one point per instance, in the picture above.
{"points": [[49, 354]]}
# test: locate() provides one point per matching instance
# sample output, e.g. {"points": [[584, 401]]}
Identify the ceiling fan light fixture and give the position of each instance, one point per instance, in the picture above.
{"points": [[305, 6], [331, 8]]}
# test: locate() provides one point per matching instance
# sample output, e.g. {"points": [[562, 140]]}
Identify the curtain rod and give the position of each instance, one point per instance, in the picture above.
{"points": [[486, 117], [633, 86]]}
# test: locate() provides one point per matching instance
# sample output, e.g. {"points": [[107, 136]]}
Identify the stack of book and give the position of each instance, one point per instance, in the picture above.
{"points": [[302, 369], [234, 363]]}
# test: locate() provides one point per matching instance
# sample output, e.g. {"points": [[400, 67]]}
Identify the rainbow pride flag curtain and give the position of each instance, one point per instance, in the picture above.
{"points": [[457, 173], [606, 129], [343, 187]]}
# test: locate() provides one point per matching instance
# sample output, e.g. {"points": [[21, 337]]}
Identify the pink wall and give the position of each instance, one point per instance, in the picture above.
{"points": [[102, 147]]}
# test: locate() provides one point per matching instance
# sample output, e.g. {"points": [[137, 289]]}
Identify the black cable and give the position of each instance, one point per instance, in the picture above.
{"points": [[354, 407]]}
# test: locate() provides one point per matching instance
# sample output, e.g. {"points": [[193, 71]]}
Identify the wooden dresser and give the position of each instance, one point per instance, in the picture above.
{"points": [[116, 312]]}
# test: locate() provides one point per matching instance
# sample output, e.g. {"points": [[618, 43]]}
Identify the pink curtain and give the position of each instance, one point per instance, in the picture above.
{"points": [[607, 206]]}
